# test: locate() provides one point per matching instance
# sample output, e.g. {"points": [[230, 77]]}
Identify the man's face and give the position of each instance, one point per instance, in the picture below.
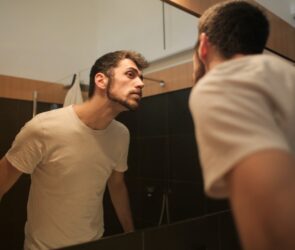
{"points": [[125, 85], [199, 68]]}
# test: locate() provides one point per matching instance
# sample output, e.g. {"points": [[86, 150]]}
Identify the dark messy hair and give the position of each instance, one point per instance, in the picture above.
{"points": [[235, 27], [106, 63]]}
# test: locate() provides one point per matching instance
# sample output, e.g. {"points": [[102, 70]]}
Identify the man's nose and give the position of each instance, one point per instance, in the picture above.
{"points": [[139, 82]]}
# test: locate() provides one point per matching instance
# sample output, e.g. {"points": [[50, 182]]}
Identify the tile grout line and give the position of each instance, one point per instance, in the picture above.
{"points": [[143, 243]]}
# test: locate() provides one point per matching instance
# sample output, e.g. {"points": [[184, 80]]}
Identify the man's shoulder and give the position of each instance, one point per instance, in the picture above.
{"points": [[245, 69], [50, 118], [119, 126], [53, 113]]}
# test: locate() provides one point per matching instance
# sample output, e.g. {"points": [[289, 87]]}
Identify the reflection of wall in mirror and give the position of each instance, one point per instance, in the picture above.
{"points": [[280, 8]]}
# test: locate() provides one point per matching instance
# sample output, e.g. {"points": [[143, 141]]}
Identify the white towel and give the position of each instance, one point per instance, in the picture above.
{"points": [[74, 95]]}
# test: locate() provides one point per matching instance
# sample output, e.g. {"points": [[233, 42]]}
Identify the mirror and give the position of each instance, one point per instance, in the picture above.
{"points": [[50, 41]]}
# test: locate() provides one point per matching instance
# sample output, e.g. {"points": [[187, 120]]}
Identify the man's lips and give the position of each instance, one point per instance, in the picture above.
{"points": [[138, 94]]}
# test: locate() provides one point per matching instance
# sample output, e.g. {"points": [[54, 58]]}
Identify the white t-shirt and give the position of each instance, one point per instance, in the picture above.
{"points": [[69, 164], [240, 107]]}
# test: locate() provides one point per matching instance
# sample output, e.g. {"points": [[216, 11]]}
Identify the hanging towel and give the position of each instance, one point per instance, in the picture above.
{"points": [[74, 95]]}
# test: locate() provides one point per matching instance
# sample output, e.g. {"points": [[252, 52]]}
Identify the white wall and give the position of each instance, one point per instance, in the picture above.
{"points": [[47, 40], [140, 27]]}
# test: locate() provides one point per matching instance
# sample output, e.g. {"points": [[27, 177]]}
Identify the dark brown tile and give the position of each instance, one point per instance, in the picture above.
{"points": [[152, 116], [216, 205], [186, 200], [228, 235], [179, 118], [184, 162], [153, 157], [133, 159]]}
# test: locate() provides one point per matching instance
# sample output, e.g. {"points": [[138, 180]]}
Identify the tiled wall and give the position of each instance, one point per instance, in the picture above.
{"points": [[163, 160], [13, 115]]}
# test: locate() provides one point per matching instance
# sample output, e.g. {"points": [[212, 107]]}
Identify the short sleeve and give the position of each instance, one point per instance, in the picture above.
{"points": [[28, 147], [232, 122], [122, 165]]}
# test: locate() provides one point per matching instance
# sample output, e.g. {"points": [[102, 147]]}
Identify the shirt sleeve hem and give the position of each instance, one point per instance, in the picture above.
{"points": [[16, 164]]}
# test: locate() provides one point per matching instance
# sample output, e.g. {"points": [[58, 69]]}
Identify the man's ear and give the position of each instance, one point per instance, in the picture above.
{"points": [[204, 46], [101, 80]]}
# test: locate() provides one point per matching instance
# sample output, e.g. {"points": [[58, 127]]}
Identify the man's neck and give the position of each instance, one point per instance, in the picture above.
{"points": [[96, 114], [218, 60]]}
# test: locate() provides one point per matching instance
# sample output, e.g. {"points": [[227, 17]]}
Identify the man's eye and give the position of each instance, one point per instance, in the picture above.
{"points": [[130, 74]]}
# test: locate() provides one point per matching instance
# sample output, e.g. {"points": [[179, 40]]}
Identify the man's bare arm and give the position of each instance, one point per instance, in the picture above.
{"points": [[120, 199], [8, 176], [262, 195]]}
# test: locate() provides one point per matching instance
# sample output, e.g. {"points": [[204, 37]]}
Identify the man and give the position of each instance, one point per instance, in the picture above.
{"points": [[243, 108], [72, 153]]}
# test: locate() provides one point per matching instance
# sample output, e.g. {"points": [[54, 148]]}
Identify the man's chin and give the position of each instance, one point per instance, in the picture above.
{"points": [[132, 106], [126, 104]]}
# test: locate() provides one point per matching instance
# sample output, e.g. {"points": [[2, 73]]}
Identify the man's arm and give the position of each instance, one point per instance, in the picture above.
{"points": [[120, 199], [8, 176], [262, 195]]}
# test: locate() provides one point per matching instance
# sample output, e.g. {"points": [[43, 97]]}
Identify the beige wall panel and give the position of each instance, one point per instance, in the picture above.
{"points": [[175, 78], [23, 89]]}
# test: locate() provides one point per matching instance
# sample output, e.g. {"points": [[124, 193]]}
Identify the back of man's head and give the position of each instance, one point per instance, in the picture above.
{"points": [[235, 27]]}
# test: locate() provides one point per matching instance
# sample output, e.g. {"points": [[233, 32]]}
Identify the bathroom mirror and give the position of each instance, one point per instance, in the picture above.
{"points": [[50, 41]]}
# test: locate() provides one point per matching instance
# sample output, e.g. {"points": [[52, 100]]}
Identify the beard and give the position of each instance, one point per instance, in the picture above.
{"points": [[199, 70], [199, 66], [124, 102]]}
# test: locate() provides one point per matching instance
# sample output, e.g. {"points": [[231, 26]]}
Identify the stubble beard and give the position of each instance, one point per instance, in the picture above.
{"points": [[200, 70], [123, 102]]}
